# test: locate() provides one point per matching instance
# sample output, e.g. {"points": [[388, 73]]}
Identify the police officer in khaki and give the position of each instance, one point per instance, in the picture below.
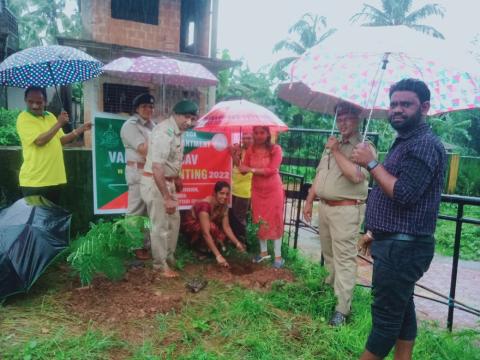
{"points": [[342, 187], [161, 180], [135, 133]]}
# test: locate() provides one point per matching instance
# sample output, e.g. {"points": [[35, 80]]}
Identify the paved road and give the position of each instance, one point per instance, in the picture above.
{"points": [[436, 278]]}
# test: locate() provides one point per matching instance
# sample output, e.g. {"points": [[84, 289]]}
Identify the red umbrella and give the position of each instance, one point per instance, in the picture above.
{"points": [[239, 116]]}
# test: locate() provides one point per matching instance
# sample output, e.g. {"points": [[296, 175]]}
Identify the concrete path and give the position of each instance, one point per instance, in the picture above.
{"points": [[437, 278]]}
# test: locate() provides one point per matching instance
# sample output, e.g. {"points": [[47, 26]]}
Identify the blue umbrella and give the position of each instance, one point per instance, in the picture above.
{"points": [[46, 66]]}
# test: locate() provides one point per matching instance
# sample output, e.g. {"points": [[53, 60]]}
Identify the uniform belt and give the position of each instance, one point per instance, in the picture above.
{"points": [[136, 164], [402, 237], [343, 202], [167, 178]]}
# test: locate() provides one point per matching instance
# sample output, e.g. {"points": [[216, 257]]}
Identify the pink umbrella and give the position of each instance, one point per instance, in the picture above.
{"points": [[238, 116], [162, 71]]}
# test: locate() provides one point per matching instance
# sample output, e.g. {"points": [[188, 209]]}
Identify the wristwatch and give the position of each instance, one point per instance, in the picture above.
{"points": [[372, 165]]}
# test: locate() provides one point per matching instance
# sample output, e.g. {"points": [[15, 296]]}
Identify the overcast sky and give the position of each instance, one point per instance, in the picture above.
{"points": [[250, 28]]}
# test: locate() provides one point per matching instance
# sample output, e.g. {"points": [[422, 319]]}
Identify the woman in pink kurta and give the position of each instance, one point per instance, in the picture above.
{"points": [[263, 160]]}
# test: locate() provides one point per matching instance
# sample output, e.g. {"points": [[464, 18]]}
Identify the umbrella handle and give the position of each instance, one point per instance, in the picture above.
{"points": [[60, 99], [55, 85], [384, 67], [334, 122]]}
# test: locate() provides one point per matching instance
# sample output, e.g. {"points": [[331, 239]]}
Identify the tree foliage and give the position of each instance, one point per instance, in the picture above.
{"points": [[307, 32], [41, 21], [258, 87], [398, 12], [8, 131]]}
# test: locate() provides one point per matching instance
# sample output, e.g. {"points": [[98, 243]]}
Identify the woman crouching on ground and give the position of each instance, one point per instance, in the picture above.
{"points": [[207, 225]]}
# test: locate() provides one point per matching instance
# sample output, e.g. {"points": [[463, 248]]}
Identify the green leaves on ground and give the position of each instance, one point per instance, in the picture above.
{"points": [[105, 248]]}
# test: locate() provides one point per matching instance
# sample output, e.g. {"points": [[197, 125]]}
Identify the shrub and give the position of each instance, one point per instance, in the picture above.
{"points": [[8, 131], [105, 248]]}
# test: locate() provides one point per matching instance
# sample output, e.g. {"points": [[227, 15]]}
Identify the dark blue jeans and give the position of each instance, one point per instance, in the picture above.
{"points": [[397, 266]]}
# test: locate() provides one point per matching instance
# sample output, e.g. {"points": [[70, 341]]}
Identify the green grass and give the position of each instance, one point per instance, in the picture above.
{"points": [[90, 345], [445, 233], [224, 321]]}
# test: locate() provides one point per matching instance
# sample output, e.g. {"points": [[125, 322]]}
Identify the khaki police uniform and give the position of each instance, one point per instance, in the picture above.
{"points": [[135, 131], [341, 212], [165, 148]]}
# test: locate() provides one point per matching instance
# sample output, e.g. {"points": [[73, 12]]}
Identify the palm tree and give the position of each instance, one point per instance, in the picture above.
{"points": [[308, 30], [397, 12]]}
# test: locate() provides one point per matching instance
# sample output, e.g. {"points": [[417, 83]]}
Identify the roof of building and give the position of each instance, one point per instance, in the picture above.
{"points": [[107, 52]]}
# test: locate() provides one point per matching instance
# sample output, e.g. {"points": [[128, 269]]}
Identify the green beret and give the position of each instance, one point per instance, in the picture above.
{"points": [[344, 107], [141, 99], [186, 107]]}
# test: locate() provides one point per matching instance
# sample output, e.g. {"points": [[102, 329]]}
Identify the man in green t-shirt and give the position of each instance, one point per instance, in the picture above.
{"points": [[43, 170]]}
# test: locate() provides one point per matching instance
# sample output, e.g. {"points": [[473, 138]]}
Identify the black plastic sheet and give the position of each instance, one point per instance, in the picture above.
{"points": [[32, 232]]}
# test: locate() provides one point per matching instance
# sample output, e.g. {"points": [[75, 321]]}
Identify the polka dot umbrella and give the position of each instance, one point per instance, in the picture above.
{"points": [[161, 70], [47, 66]]}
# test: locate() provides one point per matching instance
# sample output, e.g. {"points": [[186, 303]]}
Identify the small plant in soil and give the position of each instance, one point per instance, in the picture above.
{"points": [[105, 248]]}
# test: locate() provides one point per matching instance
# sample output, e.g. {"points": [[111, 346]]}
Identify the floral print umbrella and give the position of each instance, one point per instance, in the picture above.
{"points": [[379, 57], [47, 66], [161, 70]]}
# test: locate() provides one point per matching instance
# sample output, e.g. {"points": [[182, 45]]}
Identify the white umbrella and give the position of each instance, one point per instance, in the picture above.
{"points": [[358, 65]]}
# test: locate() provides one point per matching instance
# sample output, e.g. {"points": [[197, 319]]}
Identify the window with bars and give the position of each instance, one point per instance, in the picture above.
{"points": [[144, 11], [118, 98]]}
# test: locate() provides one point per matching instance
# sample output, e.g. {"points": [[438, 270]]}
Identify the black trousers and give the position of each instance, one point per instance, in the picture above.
{"points": [[238, 217], [397, 266]]}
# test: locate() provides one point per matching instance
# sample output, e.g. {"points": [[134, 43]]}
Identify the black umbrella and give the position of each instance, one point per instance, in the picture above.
{"points": [[32, 232]]}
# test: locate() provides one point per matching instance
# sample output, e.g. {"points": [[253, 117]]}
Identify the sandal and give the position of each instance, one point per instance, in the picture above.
{"points": [[259, 258], [278, 264]]}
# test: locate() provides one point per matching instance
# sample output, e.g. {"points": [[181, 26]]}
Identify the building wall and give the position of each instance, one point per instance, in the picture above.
{"points": [[100, 27]]}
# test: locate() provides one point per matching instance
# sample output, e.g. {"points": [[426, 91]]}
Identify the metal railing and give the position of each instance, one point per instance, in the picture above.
{"points": [[293, 185], [459, 219], [302, 149], [461, 201]]}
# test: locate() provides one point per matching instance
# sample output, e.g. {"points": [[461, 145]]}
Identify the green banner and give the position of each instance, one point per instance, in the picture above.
{"points": [[110, 188], [206, 161]]}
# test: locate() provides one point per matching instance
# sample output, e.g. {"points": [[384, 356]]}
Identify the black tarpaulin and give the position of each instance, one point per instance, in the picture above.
{"points": [[32, 232]]}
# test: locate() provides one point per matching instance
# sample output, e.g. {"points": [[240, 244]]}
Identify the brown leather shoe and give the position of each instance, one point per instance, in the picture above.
{"points": [[142, 254]]}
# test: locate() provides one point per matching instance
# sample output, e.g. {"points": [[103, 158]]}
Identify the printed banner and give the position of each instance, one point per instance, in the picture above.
{"points": [[206, 161], [110, 190]]}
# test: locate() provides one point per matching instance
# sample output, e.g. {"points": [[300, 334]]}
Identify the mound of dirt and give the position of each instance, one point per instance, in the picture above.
{"points": [[134, 297], [142, 294], [249, 275]]}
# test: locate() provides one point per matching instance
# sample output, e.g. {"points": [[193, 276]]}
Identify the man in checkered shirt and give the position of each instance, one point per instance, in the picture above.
{"points": [[401, 215]]}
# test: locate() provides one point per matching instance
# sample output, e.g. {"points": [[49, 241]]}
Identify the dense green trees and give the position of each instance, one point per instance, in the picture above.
{"points": [[41, 21]]}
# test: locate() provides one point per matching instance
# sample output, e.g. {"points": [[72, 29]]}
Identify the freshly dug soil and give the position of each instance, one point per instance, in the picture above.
{"points": [[142, 293]]}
